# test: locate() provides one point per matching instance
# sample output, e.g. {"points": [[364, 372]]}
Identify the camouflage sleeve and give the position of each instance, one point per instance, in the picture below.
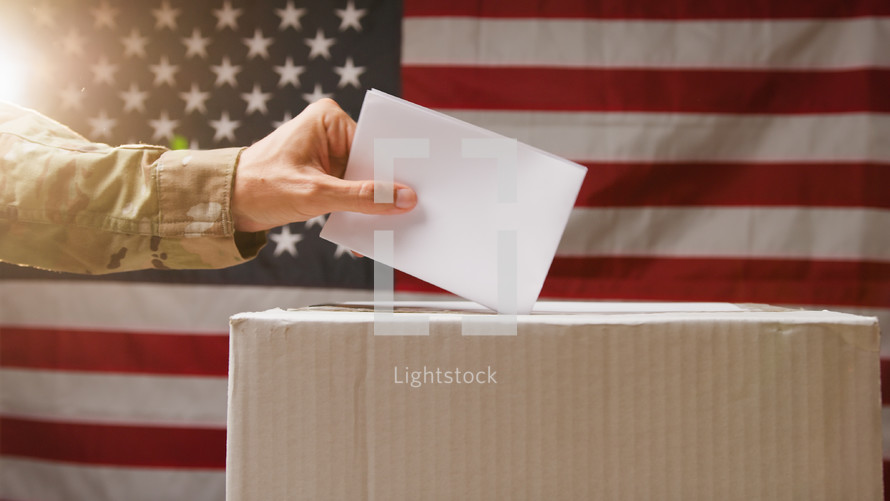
{"points": [[68, 204]]}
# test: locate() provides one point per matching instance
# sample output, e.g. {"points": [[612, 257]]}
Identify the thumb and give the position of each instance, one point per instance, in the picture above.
{"points": [[368, 197]]}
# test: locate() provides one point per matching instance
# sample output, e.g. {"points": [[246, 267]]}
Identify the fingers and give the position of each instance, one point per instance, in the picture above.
{"points": [[359, 196]]}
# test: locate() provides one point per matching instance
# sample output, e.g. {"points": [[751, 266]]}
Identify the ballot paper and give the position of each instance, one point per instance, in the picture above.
{"points": [[490, 210]]}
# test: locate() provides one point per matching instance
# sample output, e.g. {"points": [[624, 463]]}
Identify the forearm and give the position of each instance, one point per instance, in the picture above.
{"points": [[71, 205]]}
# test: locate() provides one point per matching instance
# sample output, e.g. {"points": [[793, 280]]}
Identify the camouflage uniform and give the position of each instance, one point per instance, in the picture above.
{"points": [[68, 204]]}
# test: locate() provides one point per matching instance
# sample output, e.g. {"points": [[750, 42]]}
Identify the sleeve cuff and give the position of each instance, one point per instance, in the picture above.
{"points": [[194, 205]]}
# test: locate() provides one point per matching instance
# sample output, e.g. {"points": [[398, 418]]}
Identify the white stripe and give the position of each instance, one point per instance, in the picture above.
{"points": [[594, 136], [114, 398], [150, 307], [787, 232], [745, 44], [25, 479]]}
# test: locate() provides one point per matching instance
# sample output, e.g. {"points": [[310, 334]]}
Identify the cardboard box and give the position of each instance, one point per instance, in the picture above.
{"points": [[649, 402]]}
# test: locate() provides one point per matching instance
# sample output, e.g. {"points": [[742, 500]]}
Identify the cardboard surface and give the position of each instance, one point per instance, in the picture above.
{"points": [[759, 403], [490, 214]]}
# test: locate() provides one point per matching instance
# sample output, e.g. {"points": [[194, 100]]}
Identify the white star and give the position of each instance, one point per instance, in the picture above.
{"points": [[344, 251], [256, 100], [319, 46], [317, 220], [349, 74], [165, 17], [350, 17], [258, 46], [316, 95], [102, 125], [73, 43], [104, 15], [289, 74], [163, 127], [225, 73], [227, 16], [195, 99], [134, 44], [164, 72], [103, 71], [224, 127], [196, 45], [285, 241], [44, 15], [72, 97], [290, 16], [287, 118], [134, 99]]}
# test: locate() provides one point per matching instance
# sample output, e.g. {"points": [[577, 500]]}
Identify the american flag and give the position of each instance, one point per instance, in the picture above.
{"points": [[737, 151]]}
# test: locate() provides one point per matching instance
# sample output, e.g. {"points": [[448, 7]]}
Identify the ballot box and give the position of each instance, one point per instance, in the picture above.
{"points": [[574, 401]]}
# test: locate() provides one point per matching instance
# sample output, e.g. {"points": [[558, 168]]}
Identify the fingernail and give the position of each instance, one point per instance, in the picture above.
{"points": [[405, 198]]}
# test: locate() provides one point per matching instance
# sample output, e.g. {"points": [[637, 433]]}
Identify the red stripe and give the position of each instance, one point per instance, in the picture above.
{"points": [[735, 184], [113, 445], [696, 91], [105, 351], [635, 9], [777, 281], [885, 382]]}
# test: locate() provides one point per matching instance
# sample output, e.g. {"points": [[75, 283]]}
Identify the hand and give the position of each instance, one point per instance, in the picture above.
{"points": [[295, 173]]}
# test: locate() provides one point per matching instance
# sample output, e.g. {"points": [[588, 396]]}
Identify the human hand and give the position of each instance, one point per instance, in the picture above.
{"points": [[295, 172]]}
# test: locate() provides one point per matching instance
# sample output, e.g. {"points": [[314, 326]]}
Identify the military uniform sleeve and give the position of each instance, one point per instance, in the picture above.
{"points": [[68, 204]]}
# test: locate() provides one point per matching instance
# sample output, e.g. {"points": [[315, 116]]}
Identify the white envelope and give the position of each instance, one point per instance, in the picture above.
{"points": [[490, 211]]}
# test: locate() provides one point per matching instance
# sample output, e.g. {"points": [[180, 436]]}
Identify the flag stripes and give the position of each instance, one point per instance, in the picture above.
{"points": [[70, 481], [676, 10], [729, 184], [145, 446], [800, 44], [112, 398], [635, 89], [111, 351], [682, 137]]}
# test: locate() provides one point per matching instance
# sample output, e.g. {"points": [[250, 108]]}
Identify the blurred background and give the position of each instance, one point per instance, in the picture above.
{"points": [[737, 151]]}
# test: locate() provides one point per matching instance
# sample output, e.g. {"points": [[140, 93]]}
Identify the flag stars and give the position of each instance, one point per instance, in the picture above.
{"points": [[350, 17], [163, 127], [195, 100], [73, 43], [285, 241], [258, 46], [224, 127], [316, 221], [344, 251], [227, 17], [134, 99], [134, 44], [165, 73], [104, 16], [289, 73], [196, 45], [256, 100], [102, 125], [349, 74], [320, 46], [290, 16], [165, 17], [103, 71], [316, 95], [225, 73]]}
